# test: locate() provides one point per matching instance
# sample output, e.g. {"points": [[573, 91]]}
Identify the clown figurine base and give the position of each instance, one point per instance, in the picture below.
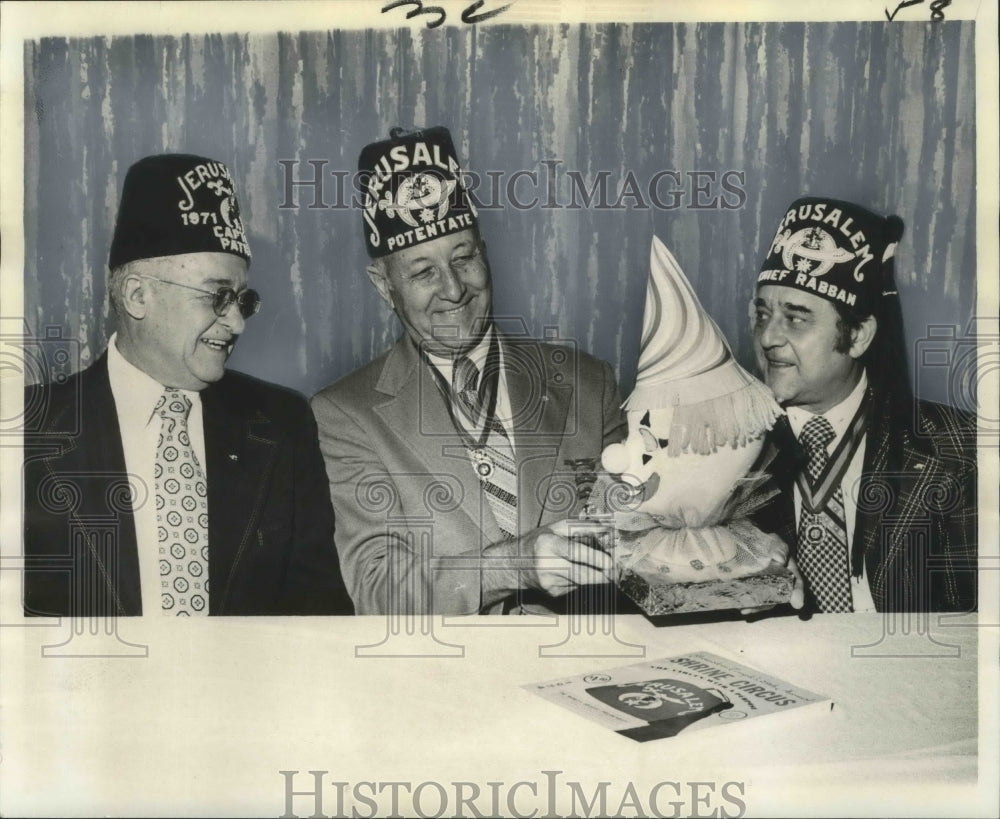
{"points": [[698, 562], [680, 488], [655, 593]]}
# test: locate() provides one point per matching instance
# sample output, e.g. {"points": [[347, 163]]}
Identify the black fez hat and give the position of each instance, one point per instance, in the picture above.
{"points": [[836, 250], [177, 203], [413, 190]]}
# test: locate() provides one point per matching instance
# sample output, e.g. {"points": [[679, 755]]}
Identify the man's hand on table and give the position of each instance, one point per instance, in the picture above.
{"points": [[555, 559]]}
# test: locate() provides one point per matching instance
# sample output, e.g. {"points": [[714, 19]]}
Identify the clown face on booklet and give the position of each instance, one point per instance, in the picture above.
{"points": [[662, 698]]}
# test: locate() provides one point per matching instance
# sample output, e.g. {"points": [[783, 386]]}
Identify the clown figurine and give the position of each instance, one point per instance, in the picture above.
{"points": [[682, 485]]}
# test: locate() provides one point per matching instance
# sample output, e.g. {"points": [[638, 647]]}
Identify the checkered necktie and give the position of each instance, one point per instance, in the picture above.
{"points": [[822, 553], [494, 461], [181, 511]]}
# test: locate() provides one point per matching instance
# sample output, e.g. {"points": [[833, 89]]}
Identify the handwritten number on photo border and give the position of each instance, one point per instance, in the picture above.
{"points": [[469, 15], [420, 9], [937, 9]]}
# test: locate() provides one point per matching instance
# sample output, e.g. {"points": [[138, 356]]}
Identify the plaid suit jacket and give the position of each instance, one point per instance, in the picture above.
{"points": [[917, 511]]}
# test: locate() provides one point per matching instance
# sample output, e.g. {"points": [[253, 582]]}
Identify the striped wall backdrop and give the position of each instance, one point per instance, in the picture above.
{"points": [[746, 117]]}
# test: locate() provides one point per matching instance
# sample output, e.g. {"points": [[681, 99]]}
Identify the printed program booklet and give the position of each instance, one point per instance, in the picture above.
{"points": [[661, 698]]}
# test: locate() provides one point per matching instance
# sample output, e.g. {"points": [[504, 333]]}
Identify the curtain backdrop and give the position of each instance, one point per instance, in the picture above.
{"points": [[881, 114]]}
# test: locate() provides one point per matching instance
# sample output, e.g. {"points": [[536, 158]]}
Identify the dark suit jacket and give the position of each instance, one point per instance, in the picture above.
{"points": [[270, 521], [917, 515], [411, 518]]}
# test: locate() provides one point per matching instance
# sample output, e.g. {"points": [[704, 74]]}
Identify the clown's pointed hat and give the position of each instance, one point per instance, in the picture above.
{"points": [[685, 363]]}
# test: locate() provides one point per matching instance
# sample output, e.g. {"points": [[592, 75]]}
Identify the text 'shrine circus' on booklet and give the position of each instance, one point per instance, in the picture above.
{"points": [[661, 698]]}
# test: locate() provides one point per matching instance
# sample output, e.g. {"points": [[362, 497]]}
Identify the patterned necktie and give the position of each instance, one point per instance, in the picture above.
{"points": [[181, 511], [822, 535], [494, 460]]}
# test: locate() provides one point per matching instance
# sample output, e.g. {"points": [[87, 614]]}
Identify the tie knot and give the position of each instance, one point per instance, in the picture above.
{"points": [[816, 435], [464, 375], [173, 404]]}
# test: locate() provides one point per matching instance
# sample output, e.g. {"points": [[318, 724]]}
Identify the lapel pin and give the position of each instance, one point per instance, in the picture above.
{"points": [[233, 456]]}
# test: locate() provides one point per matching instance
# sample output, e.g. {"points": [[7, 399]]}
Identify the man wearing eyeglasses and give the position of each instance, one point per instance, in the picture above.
{"points": [[212, 482], [450, 457]]}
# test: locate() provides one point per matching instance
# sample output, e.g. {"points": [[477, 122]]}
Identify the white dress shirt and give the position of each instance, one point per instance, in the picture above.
{"points": [[135, 395], [840, 418], [478, 355]]}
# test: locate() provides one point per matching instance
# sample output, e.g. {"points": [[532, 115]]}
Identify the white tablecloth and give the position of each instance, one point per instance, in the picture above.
{"points": [[204, 723]]}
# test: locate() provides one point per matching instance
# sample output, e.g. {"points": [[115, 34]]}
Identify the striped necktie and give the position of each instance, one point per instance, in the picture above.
{"points": [[181, 511], [822, 549], [492, 459]]}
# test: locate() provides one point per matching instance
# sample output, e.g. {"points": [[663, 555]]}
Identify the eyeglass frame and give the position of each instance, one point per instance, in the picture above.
{"points": [[220, 293]]}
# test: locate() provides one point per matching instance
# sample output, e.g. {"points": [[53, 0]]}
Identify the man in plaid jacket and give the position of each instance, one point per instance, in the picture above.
{"points": [[878, 489]]}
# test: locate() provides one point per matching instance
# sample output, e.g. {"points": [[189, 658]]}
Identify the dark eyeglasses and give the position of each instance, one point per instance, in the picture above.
{"points": [[248, 301]]}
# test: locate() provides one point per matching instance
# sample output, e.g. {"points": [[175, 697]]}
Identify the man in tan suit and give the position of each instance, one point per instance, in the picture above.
{"points": [[450, 456]]}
